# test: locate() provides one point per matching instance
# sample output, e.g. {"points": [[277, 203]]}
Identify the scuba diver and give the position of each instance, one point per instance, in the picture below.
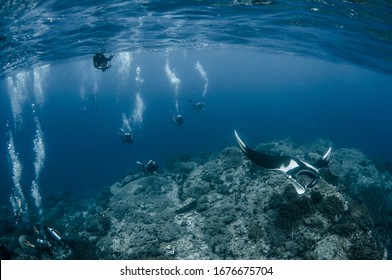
{"points": [[126, 136], [101, 61], [150, 167], [48, 241], [54, 237], [197, 105], [178, 119]]}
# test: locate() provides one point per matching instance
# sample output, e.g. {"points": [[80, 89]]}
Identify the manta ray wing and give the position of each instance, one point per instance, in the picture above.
{"points": [[263, 160], [324, 160]]}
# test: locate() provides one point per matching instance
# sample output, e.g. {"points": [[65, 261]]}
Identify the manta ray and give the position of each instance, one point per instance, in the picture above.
{"points": [[292, 167]]}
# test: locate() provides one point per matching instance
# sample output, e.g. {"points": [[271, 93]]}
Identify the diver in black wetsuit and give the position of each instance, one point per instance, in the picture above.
{"points": [[48, 240], [150, 167], [126, 136], [178, 119], [101, 61], [197, 105]]}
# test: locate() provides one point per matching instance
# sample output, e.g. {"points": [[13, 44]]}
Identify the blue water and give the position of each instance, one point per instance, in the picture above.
{"points": [[287, 69]]}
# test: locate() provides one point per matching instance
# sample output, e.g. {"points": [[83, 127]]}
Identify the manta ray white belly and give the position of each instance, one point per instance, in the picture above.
{"points": [[293, 164]]}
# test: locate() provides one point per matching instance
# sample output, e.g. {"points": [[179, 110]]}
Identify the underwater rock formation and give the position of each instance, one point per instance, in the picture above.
{"points": [[224, 207]]}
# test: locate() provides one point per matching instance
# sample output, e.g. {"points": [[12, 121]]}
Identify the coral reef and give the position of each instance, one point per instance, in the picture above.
{"points": [[223, 207]]}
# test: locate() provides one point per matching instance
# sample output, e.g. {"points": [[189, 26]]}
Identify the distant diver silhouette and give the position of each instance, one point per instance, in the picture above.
{"points": [[150, 167], [290, 166], [101, 61], [126, 136], [197, 105], [178, 119]]}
